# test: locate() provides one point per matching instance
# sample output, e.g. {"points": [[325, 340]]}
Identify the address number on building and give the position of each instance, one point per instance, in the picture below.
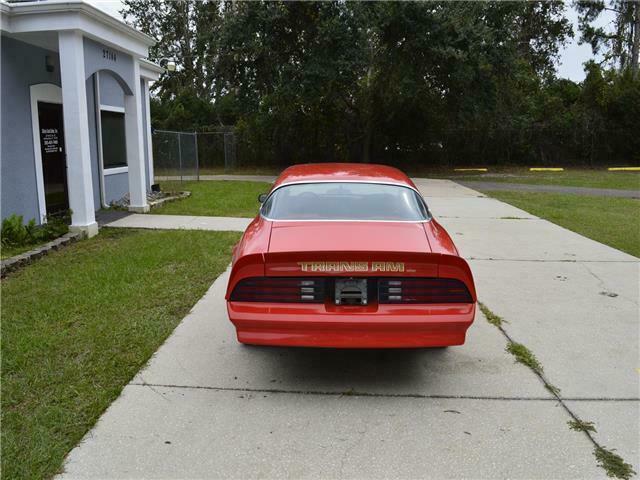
{"points": [[109, 54]]}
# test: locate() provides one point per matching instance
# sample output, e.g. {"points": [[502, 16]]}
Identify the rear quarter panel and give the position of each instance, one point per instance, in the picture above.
{"points": [[451, 264], [249, 254]]}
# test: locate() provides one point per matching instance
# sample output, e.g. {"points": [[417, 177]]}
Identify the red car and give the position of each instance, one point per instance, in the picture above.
{"points": [[348, 255]]}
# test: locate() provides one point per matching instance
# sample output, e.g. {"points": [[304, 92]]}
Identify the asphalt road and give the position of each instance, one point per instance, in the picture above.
{"points": [[206, 406]]}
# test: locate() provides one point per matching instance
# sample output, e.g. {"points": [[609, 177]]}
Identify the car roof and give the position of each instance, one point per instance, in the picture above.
{"points": [[335, 172]]}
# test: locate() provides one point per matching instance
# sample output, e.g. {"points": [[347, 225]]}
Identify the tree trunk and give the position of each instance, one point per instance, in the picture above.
{"points": [[636, 40], [368, 136], [368, 132]]}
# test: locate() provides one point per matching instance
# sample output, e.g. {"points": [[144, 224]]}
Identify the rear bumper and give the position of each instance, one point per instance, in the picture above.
{"points": [[373, 326]]}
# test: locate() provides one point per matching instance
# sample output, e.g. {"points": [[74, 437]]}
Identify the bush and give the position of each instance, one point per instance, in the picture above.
{"points": [[15, 233]]}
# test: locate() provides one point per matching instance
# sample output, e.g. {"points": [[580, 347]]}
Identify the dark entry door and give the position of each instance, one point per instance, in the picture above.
{"points": [[54, 164]]}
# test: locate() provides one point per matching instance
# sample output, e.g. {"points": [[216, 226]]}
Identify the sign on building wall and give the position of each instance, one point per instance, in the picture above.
{"points": [[50, 140]]}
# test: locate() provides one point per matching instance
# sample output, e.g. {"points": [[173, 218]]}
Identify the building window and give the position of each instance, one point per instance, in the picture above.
{"points": [[114, 148]]}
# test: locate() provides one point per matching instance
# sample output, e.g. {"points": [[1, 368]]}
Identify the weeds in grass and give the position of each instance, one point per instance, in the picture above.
{"points": [[613, 464], [525, 356], [491, 317], [581, 426]]}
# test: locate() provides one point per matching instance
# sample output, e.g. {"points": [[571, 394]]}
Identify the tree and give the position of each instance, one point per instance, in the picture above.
{"points": [[391, 82], [621, 42], [186, 32]]}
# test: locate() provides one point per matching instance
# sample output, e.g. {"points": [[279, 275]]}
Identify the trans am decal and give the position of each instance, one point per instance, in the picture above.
{"points": [[351, 266]]}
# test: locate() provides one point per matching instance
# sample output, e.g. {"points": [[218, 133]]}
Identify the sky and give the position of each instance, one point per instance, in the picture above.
{"points": [[572, 56]]}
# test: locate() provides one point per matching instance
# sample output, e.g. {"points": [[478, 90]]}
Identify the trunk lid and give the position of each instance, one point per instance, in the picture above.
{"points": [[348, 236], [349, 249]]}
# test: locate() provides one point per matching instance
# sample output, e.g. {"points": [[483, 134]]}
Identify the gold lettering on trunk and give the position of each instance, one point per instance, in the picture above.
{"points": [[351, 266], [387, 266]]}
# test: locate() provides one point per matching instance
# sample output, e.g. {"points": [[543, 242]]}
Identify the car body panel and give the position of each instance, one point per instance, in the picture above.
{"points": [[348, 236], [373, 326], [348, 249]]}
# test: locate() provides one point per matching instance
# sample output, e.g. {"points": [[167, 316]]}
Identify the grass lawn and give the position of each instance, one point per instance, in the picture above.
{"points": [[574, 177], [612, 221], [79, 323], [215, 198], [7, 252]]}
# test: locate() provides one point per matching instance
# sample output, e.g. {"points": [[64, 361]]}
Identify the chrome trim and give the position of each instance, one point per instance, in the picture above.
{"points": [[346, 181], [302, 182]]}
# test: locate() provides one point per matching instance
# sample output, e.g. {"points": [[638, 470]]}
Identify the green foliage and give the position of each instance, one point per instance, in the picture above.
{"points": [[491, 317], [620, 39], [391, 82], [552, 389], [15, 233], [525, 356], [581, 426], [613, 464]]}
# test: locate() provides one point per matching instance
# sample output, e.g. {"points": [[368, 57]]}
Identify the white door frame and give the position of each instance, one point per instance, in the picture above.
{"points": [[50, 93]]}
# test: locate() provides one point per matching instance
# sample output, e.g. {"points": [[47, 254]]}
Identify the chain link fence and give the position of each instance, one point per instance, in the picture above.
{"points": [[187, 155]]}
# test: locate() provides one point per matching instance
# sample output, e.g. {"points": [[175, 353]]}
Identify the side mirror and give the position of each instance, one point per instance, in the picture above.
{"points": [[262, 197]]}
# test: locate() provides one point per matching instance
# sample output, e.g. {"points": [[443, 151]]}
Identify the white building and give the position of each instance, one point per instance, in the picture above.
{"points": [[74, 111]]}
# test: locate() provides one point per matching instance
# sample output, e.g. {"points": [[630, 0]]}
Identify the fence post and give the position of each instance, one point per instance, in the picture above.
{"points": [[180, 155], [197, 159], [226, 152]]}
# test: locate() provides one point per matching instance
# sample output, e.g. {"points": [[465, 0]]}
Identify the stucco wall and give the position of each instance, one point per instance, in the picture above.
{"points": [[111, 92], [22, 65], [116, 186], [116, 77], [95, 60]]}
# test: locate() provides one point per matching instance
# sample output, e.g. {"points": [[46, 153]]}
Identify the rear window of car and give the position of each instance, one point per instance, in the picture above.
{"points": [[345, 201]]}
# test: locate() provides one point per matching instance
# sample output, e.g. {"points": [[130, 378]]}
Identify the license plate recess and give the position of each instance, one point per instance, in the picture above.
{"points": [[351, 291]]}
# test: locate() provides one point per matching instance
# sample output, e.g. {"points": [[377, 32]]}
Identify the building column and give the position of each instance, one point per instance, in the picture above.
{"points": [[76, 132], [148, 131], [135, 148]]}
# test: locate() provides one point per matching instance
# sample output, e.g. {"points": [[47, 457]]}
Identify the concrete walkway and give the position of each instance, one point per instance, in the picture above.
{"points": [[525, 187], [206, 407], [181, 222]]}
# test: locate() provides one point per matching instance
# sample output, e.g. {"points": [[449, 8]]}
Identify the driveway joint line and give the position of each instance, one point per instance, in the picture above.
{"points": [[605, 457], [382, 395]]}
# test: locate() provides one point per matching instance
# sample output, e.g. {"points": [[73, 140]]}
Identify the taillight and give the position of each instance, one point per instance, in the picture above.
{"points": [[422, 290], [279, 289]]}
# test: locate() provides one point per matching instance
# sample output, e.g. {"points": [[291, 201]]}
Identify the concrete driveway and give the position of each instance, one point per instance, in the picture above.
{"points": [[206, 406]]}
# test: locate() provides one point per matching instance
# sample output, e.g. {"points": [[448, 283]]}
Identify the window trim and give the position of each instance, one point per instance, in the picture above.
{"points": [[112, 108], [302, 182], [116, 169]]}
